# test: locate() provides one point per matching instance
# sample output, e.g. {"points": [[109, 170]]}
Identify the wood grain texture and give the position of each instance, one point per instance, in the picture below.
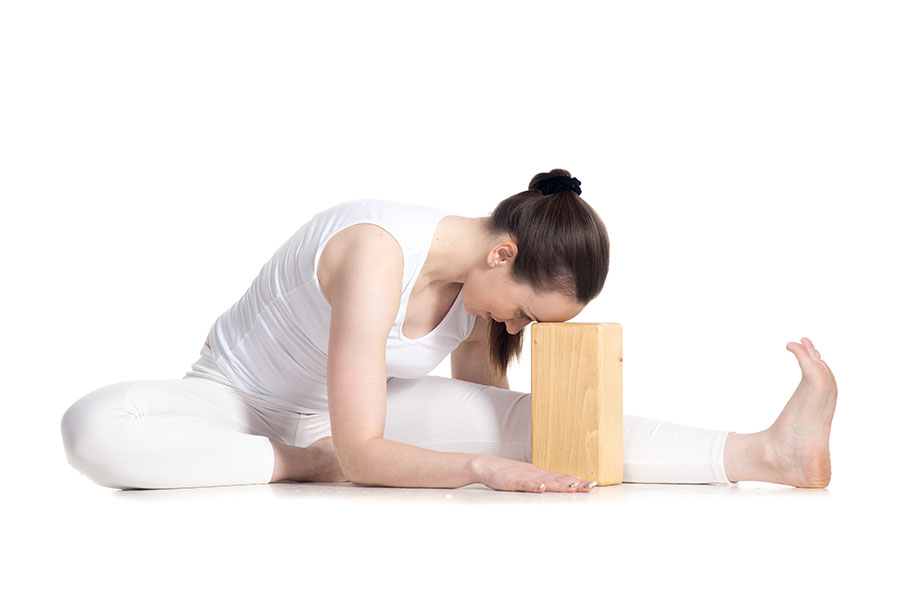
{"points": [[576, 399]]}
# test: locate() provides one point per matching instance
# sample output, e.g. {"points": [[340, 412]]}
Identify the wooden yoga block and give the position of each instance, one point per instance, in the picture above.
{"points": [[576, 400]]}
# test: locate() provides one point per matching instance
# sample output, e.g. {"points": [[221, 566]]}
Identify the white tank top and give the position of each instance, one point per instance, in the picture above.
{"points": [[273, 342]]}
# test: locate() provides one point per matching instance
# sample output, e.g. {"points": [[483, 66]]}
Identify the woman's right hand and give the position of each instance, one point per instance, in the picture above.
{"points": [[504, 474]]}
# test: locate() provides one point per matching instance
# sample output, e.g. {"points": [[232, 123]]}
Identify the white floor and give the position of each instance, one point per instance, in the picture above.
{"points": [[744, 540]]}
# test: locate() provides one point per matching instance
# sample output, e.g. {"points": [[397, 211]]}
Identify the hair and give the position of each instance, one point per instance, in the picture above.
{"points": [[562, 247]]}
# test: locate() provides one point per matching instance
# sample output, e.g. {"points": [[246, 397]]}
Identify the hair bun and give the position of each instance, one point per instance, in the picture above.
{"points": [[558, 183]]}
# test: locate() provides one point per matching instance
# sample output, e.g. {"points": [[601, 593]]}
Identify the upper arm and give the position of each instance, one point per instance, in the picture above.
{"points": [[364, 288], [469, 361]]}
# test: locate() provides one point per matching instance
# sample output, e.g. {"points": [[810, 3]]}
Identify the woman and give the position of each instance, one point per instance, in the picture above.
{"points": [[320, 371]]}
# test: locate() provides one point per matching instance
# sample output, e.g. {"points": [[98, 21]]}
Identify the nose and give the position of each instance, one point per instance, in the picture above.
{"points": [[516, 325]]}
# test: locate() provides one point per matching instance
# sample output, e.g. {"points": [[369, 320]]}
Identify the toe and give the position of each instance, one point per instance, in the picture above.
{"points": [[811, 349], [802, 354], [807, 343], [796, 348], [811, 363]]}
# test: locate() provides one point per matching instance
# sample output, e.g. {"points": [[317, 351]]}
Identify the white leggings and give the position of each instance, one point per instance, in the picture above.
{"points": [[202, 431]]}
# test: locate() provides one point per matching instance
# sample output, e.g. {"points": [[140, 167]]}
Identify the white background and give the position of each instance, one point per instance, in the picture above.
{"points": [[744, 157]]}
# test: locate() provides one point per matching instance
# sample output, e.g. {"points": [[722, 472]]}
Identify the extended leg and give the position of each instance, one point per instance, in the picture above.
{"points": [[450, 415]]}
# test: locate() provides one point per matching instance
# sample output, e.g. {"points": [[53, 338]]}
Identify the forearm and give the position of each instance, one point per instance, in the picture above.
{"points": [[486, 379], [474, 369], [388, 463]]}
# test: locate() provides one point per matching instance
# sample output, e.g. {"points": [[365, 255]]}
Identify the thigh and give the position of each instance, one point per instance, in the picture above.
{"points": [[450, 415], [189, 397], [447, 415]]}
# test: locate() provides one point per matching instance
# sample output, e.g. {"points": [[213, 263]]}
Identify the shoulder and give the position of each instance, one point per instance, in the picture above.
{"points": [[358, 248]]}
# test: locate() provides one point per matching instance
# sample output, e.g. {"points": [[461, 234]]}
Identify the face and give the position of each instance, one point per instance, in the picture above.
{"points": [[492, 290]]}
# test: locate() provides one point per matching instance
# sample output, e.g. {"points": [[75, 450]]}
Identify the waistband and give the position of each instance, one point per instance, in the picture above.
{"points": [[206, 368]]}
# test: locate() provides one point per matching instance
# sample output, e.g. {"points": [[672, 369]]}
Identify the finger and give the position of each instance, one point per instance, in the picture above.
{"points": [[584, 486], [562, 482], [533, 486], [570, 483], [555, 485], [580, 485], [587, 486]]}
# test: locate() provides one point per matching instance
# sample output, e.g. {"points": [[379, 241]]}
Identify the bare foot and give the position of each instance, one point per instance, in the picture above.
{"points": [[799, 436], [329, 468]]}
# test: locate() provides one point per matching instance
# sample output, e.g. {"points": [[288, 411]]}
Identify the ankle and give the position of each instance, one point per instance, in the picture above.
{"points": [[293, 463], [750, 457]]}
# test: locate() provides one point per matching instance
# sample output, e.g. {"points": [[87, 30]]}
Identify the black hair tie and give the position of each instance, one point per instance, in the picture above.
{"points": [[558, 183]]}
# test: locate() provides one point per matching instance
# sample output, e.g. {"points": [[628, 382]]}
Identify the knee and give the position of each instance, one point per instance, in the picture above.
{"points": [[89, 431]]}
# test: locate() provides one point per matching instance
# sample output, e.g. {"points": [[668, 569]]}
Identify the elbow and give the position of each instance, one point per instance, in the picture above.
{"points": [[353, 463], [356, 477], [361, 477], [347, 465]]}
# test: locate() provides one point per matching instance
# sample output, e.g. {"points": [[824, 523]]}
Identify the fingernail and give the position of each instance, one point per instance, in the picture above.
{"points": [[575, 484], [591, 484]]}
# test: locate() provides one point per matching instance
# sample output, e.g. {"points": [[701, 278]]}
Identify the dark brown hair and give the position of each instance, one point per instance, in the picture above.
{"points": [[562, 247]]}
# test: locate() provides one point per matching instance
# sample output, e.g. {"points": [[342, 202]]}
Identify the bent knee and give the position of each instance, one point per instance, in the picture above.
{"points": [[92, 428]]}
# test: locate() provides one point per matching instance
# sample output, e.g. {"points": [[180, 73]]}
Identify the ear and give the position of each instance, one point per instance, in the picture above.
{"points": [[503, 252]]}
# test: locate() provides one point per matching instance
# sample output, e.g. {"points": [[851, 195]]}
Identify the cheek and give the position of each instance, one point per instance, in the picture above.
{"points": [[479, 301]]}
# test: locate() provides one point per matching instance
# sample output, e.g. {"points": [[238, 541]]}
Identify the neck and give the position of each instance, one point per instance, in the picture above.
{"points": [[460, 246]]}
